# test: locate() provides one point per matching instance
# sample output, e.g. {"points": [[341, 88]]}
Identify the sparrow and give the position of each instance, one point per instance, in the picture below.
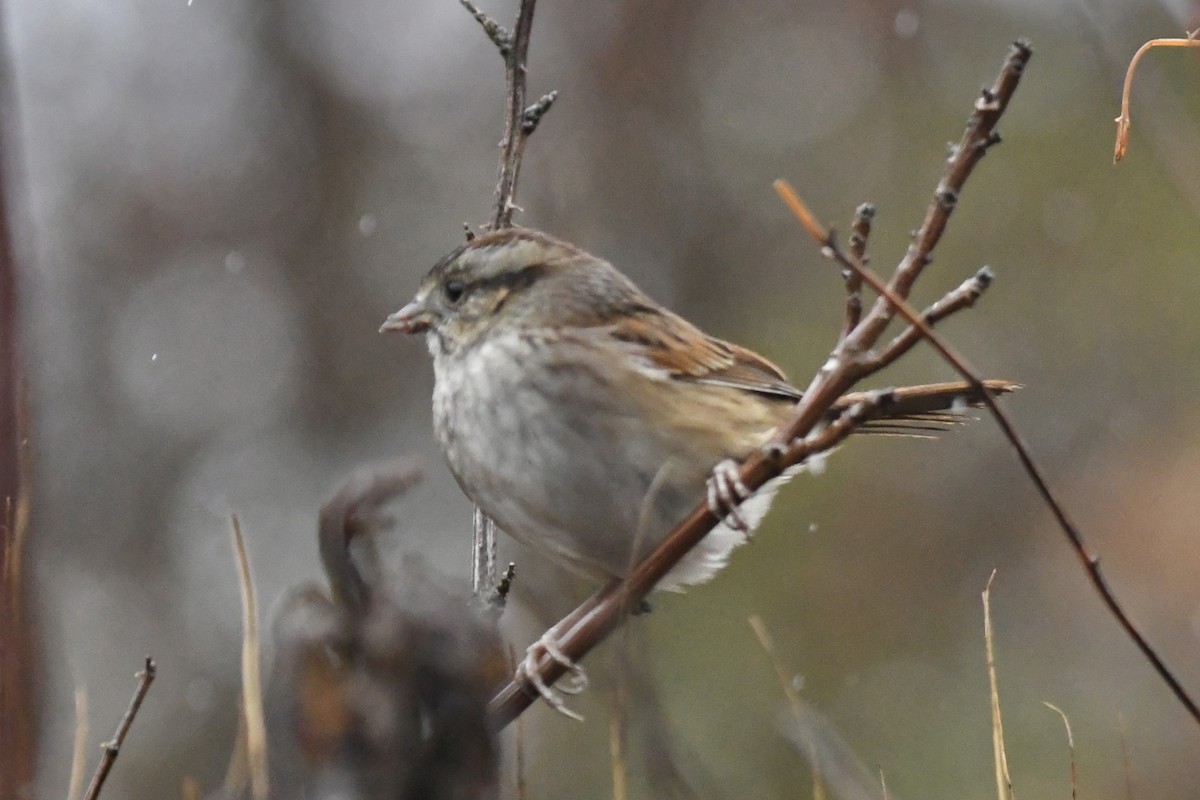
{"points": [[586, 419]]}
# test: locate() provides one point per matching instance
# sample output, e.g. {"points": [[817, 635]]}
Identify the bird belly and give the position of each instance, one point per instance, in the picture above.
{"points": [[553, 449]]}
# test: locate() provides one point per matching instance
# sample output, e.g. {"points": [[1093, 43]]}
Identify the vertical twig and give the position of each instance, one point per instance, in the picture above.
{"points": [[860, 231], [519, 124], [483, 561], [512, 146], [113, 747]]}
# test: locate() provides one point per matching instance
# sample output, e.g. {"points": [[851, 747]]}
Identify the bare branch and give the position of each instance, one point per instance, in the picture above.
{"points": [[860, 231], [962, 297], [494, 30], [113, 747], [519, 124]]}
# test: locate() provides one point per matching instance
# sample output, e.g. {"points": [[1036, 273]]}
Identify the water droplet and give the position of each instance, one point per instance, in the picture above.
{"points": [[907, 23], [367, 224]]}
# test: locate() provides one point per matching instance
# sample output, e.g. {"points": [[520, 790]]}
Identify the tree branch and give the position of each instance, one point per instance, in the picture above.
{"points": [[112, 748]]}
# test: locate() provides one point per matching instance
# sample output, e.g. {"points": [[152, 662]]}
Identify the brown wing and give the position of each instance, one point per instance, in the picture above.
{"points": [[669, 342]]}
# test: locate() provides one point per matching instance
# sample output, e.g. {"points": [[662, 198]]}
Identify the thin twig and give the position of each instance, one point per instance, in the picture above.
{"points": [[964, 296], [494, 30], [519, 124], [860, 231], [112, 747], [1000, 757], [252, 698], [1070, 746], [512, 146], [1123, 121]]}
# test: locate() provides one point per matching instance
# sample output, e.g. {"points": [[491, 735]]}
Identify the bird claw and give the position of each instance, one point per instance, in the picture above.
{"points": [[529, 671], [726, 492]]}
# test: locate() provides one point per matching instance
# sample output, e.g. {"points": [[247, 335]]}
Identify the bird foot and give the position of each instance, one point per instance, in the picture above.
{"points": [[528, 669], [726, 492]]}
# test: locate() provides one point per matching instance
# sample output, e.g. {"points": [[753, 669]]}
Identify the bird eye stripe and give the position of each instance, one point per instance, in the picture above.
{"points": [[518, 279]]}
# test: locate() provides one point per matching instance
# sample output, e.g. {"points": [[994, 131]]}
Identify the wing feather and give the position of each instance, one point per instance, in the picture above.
{"points": [[668, 342]]}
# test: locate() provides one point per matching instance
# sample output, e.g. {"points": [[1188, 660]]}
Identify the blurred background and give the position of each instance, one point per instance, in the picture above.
{"points": [[216, 204]]}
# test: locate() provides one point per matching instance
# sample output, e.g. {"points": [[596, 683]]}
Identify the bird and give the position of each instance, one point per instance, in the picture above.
{"points": [[585, 418]]}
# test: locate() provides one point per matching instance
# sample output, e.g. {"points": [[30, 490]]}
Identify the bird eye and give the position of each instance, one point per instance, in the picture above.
{"points": [[454, 291]]}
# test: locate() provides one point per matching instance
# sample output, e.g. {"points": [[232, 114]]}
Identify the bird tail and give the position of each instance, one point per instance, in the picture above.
{"points": [[924, 410]]}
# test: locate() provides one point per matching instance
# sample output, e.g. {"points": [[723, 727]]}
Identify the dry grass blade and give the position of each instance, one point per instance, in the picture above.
{"points": [[793, 698], [1003, 780], [79, 751], [1123, 121], [1070, 746], [252, 698], [190, 790]]}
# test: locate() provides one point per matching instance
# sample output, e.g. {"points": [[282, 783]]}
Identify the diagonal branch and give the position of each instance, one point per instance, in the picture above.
{"points": [[960, 298], [112, 747]]}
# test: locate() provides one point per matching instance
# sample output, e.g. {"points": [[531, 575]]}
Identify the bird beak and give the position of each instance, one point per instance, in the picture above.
{"points": [[413, 318]]}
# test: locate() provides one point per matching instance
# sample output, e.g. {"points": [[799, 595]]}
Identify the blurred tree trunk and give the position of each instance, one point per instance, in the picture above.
{"points": [[17, 658]]}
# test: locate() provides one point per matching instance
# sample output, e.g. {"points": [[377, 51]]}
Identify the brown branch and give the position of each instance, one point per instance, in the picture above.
{"points": [[801, 437], [113, 747], [519, 122], [960, 298], [860, 231]]}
